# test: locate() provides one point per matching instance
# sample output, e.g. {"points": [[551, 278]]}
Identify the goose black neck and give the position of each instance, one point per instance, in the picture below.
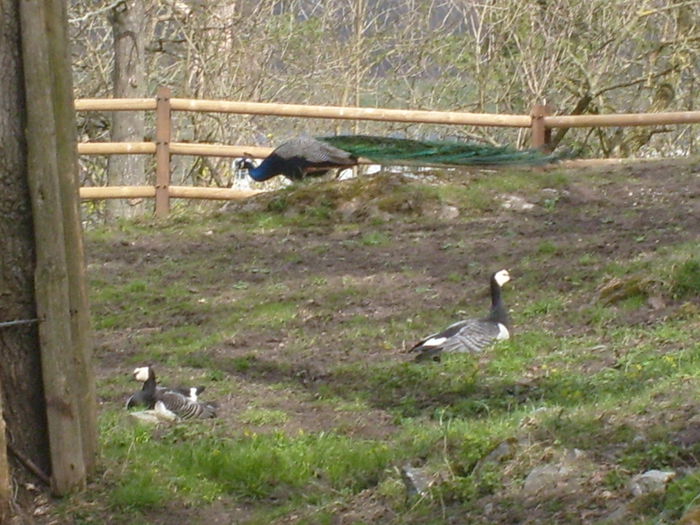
{"points": [[498, 314], [149, 385]]}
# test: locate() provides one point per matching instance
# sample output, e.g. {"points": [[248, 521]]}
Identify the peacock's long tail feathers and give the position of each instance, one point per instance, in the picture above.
{"points": [[387, 149]]}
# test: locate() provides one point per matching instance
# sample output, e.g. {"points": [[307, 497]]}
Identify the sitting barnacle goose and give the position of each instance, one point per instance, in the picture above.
{"points": [[142, 397], [181, 403], [471, 335]]}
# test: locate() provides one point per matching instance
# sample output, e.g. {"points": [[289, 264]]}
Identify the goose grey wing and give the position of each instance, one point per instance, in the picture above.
{"points": [[431, 346], [473, 335], [184, 407]]}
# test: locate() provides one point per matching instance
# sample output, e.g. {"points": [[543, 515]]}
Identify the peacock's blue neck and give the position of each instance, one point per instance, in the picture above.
{"points": [[261, 173]]}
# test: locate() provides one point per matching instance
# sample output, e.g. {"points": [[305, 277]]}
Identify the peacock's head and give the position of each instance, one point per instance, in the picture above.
{"points": [[244, 163]]}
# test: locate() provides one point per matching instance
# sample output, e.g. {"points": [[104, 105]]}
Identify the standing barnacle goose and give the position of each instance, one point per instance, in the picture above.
{"points": [[471, 335], [182, 403]]}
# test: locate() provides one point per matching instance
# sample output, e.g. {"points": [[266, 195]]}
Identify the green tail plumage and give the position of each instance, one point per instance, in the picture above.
{"points": [[408, 151]]}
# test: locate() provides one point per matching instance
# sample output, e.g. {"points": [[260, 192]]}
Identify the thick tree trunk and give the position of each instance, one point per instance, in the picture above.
{"points": [[20, 373], [128, 126]]}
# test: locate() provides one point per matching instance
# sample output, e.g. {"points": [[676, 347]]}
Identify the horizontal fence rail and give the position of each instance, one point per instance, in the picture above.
{"points": [[351, 113], [539, 121], [623, 119], [175, 192]]}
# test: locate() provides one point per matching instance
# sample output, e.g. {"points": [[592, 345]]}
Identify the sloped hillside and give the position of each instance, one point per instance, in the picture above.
{"points": [[295, 310]]}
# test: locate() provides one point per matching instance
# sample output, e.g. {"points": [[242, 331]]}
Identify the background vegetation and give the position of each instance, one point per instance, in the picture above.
{"points": [[496, 56]]}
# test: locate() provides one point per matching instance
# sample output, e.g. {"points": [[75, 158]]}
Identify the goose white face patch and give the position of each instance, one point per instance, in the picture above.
{"points": [[503, 332], [141, 374], [435, 341], [502, 277]]}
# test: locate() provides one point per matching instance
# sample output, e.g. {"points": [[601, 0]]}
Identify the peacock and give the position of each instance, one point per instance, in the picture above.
{"points": [[172, 403], [471, 335], [308, 156], [298, 158]]}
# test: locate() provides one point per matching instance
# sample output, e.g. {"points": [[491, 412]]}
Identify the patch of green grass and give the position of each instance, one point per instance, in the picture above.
{"points": [[672, 271], [374, 239], [266, 314], [641, 456], [193, 467], [588, 259], [473, 198], [263, 416], [686, 279], [683, 493], [406, 387], [172, 344], [542, 307], [407, 198], [547, 248], [140, 490]]}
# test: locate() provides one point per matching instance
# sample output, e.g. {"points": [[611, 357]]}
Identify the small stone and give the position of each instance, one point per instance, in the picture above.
{"points": [[651, 482], [41, 510], [656, 302], [504, 450], [448, 212], [417, 480], [545, 478], [567, 474], [515, 202]]}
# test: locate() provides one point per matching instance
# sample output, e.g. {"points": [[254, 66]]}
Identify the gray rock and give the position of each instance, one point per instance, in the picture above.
{"points": [[503, 451], [447, 212], [651, 482], [567, 475], [515, 202], [417, 480]]}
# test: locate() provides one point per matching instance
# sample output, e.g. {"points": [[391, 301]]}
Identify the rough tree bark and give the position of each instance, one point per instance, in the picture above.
{"points": [[20, 373], [128, 24]]}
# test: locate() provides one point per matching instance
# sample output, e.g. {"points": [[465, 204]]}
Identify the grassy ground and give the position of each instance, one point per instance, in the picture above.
{"points": [[295, 310]]}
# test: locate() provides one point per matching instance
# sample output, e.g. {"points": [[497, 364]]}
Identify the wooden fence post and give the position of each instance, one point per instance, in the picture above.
{"points": [[69, 184], [163, 131], [541, 135], [50, 132]]}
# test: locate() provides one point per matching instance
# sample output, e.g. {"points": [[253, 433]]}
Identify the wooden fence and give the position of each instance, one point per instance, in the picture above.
{"points": [[539, 121]]}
